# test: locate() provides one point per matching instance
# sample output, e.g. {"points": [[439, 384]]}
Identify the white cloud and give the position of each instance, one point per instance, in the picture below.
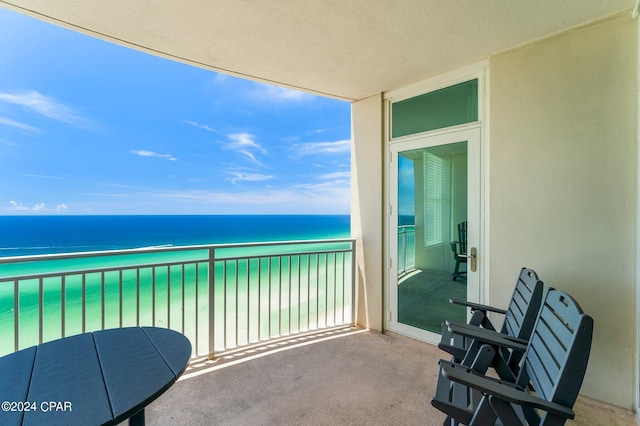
{"points": [[245, 144], [18, 125], [239, 141], [18, 207], [335, 175], [321, 148], [45, 106], [303, 199], [144, 153], [247, 177], [270, 93], [200, 126], [33, 175]]}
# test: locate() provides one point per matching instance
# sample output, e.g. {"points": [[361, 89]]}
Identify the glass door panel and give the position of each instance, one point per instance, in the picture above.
{"points": [[432, 191], [436, 219]]}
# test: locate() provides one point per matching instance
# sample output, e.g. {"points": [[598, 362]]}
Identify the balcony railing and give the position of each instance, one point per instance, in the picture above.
{"points": [[220, 296], [406, 248]]}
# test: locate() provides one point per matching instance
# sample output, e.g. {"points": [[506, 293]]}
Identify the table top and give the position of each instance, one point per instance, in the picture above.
{"points": [[103, 377]]}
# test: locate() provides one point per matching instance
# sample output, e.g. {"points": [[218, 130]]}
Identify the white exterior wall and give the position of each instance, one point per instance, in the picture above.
{"points": [[563, 179], [366, 204]]}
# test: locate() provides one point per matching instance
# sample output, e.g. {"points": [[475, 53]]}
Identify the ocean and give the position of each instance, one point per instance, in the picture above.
{"points": [[309, 291], [33, 235]]}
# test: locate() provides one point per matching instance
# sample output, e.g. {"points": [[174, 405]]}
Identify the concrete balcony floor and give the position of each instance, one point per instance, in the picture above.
{"points": [[336, 377]]}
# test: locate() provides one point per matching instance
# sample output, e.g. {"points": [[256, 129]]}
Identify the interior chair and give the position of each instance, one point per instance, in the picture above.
{"points": [[459, 247]]}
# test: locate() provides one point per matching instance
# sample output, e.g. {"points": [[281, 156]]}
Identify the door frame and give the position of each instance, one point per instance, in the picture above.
{"points": [[472, 136], [479, 71]]}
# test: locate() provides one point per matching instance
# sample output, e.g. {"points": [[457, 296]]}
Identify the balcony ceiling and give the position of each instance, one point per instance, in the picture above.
{"points": [[345, 49]]}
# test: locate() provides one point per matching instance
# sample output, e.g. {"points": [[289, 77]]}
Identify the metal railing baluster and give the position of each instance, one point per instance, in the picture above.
{"points": [[102, 298], [224, 303], [289, 293], [279, 261], [137, 297], [182, 292], [212, 281], [40, 309], [168, 296], [309, 292], [16, 315], [197, 307], [120, 296], [63, 304], [248, 300], [237, 273], [84, 303], [153, 296]]}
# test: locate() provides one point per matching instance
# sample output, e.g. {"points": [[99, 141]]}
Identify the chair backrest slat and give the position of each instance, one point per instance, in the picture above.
{"points": [[520, 316], [541, 372], [516, 312], [557, 355]]}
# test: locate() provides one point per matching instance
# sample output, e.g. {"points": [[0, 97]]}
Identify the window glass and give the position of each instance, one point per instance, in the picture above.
{"points": [[446, 107]]}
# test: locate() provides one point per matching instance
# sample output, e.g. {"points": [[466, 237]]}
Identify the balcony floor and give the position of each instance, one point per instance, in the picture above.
{"points": [[337, 377]]}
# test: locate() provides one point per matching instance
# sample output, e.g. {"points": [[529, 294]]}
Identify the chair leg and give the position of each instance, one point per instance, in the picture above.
{"points": [[455, 272]]}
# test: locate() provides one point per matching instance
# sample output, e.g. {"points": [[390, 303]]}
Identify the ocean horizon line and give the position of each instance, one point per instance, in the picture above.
{"points": [[47, 234]]}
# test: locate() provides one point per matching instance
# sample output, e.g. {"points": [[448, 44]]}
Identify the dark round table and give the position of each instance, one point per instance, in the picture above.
{"points": [[99, 378]]}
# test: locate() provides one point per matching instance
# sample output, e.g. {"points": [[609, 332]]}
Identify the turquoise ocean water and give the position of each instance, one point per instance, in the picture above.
{"points": [[185, 287], [27, 235]]}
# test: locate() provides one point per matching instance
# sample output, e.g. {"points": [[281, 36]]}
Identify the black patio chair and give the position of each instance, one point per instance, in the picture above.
{"points": [[518, 323], [554, 364]]}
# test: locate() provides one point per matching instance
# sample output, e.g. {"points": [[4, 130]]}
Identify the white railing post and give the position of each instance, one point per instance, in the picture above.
{"points": [[212, 300], [354, 264]]}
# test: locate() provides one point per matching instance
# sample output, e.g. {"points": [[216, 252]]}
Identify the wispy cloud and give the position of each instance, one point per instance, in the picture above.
{"points": [[318, 198], [18, 125], [261, 92], [319, 148], [239, 141], [277, 94], [245, 144], [46, 106], [39, 176], [200, 126], [143, 153], [247, 177], [335, 175]]}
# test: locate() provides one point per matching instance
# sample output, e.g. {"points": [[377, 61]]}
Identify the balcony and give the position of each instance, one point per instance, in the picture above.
{"points": [[272, 330], [220, 296]]}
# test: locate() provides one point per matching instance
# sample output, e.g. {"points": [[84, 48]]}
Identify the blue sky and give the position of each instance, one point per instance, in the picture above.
{"points": [[89, 127]]}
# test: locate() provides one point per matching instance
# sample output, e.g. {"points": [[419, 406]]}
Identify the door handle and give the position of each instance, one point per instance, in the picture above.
{"points": [[473, 258]]}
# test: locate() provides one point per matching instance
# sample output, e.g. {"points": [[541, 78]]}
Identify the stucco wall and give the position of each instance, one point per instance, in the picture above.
{"points": [[366, 205], [563, 183]]}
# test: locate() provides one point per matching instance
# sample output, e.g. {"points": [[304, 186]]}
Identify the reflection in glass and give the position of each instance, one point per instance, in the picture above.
{"points": [[432, 201]]}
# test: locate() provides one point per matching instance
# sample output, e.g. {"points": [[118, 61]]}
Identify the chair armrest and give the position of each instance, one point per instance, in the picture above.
{"points": [[470, 370], [461, 374], [482, 335], [477, 306]]}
